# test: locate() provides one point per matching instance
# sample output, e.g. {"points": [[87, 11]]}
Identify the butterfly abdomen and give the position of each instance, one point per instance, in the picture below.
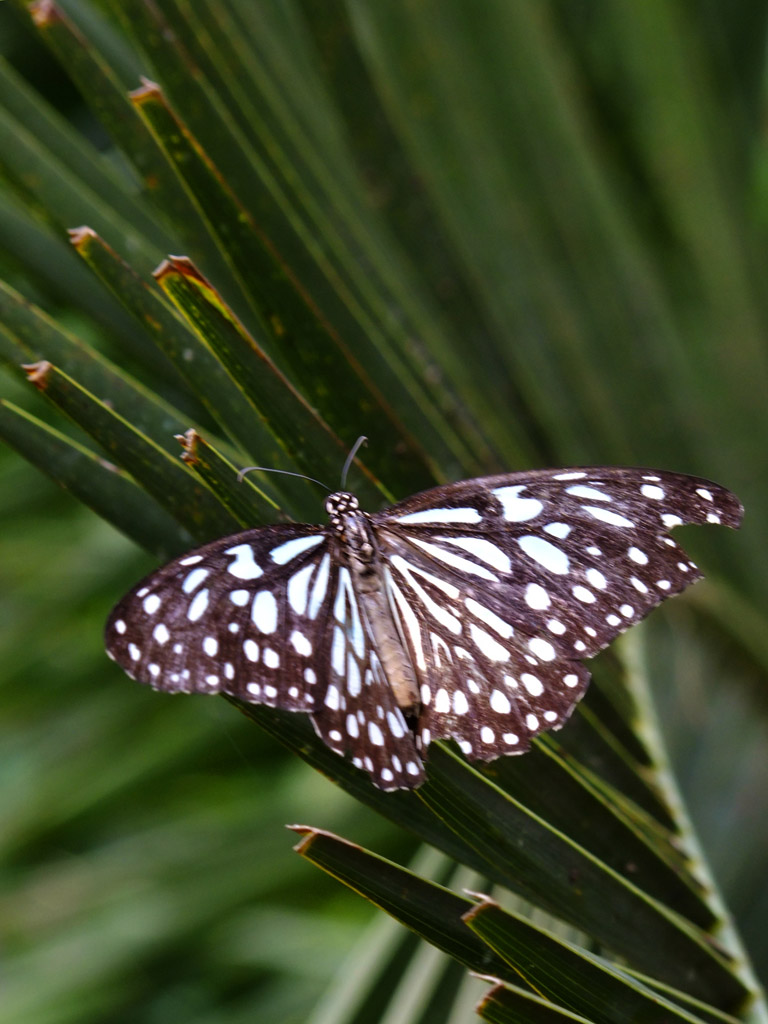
{"points": [[359, 550]]}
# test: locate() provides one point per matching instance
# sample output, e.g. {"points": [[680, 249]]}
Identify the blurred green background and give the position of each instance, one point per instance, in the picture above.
{"points": [[560, 211]]}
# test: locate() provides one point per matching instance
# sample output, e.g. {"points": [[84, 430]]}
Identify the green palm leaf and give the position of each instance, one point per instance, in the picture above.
{"points": [[488, 236]]}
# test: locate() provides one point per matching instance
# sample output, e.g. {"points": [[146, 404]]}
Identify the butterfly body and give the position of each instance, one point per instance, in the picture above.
{"points": [[463, 612], [358, 549]]}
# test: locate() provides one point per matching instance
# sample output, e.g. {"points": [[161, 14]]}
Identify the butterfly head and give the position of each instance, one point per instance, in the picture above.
{"points": [[338, 506]]}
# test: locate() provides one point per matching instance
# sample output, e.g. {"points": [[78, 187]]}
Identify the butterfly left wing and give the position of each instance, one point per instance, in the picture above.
{"points": [[269, 616], [243, 615], [502, 584]]}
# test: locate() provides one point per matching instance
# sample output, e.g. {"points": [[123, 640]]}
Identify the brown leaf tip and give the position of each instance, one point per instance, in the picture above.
{"points": [[148, 90], [44, 13], [486, 903], [78, 236], [37, 373], [188, 442], [181, 265]]}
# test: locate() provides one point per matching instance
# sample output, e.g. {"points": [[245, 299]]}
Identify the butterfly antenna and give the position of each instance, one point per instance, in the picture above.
{"points": [[285, 472], [355, 449]]}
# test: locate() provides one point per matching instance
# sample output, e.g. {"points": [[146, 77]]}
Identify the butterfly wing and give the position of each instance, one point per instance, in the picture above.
{"points": [[502, 584], [269, 616], [245, 615], [359, 713]]}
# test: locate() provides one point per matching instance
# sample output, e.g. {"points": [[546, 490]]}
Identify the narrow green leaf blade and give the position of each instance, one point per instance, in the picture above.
{"points": [[165, 478], [109, 491], [530, 857], [306, 437], [572, 977], [428, 909], [30, 334]]}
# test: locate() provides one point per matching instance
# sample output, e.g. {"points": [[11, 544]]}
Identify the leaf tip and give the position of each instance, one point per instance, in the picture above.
{"points": [[37, 373], [81, 235], [484, 903], [181, 265], [188, 441], [44, 13], [148, 90]]}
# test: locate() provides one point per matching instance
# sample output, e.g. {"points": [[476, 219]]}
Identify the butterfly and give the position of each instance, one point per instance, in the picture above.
{"points": [[463, 612]]}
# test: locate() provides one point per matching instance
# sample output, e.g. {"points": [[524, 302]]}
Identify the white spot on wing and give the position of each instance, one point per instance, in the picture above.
{"points": [[500, 703], [442, 515], [596, 579], [291, 548], [298, 589], [271, 659], [338, 648], [396, 723], [484, 550], [320, 586], [442, 701], [491, 648], [345, 597], [455, 561], [536, 596], [591, 493], [546, 554], [542, 649], [460, 705], [354, 681], [652, 491], [489, 618], [559, 530], [198, 606], [410, 623], [515, 508], [264, 611], [244, 566], [300, 643], [606, 516], [532, 684], [193, 580], [161, 633]]}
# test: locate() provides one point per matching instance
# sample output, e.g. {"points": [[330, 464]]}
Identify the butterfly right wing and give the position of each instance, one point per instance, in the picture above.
{"points": [[244, 615]]}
